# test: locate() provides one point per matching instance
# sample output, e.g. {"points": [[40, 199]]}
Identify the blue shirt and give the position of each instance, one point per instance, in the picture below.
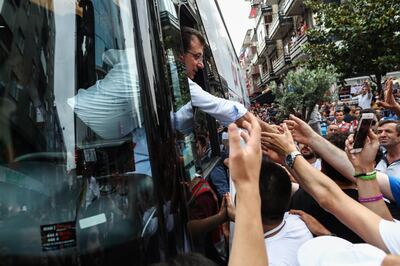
{"points": [[395, 188]]}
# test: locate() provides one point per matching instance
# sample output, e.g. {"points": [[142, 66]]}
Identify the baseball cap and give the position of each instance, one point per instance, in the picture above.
{"points": [[331, 250]]}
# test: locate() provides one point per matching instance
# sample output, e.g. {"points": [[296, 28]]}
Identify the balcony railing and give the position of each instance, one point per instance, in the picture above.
{"points": [[297, 48], [279, 63], [278, 23], [284, 5], [265, 8], [264, 45]]}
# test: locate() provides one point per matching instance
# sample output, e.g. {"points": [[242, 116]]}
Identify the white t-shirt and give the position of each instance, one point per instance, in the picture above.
{"points": [[364, 101], [317, 164], [282, 248], [390, 233], [392, 170]]}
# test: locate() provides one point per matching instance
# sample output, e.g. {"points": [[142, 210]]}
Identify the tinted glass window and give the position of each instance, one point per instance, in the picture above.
{"points": [[75, 175]]}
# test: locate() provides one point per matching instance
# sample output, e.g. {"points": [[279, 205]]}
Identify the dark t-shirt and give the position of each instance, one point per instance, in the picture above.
{"points": [[348, 118], [203, 206], [301, 200]]}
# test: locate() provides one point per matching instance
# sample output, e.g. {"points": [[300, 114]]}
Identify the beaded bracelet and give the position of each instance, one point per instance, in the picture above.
{"points": [[371, 199], [366, 176]]}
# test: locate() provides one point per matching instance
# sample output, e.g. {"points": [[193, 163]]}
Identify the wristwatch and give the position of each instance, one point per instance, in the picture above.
{"points": [[289, 160]]}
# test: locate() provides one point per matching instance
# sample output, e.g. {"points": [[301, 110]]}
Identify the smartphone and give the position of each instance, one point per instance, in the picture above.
{"points": [[361, 134]]}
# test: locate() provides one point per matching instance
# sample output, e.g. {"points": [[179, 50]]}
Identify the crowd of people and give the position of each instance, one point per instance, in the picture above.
{"points": [[321, 203]]}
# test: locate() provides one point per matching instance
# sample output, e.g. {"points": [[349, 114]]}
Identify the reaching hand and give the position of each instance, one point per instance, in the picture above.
{"points": [[301, 131], [315, 227], [389, 100], [363, 161], [283, 143], [230, 208], [271, 154], [245, 162]]}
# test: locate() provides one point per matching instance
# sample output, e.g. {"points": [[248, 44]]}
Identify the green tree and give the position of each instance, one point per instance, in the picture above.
{"points": [[302, 90], [358, 37]]}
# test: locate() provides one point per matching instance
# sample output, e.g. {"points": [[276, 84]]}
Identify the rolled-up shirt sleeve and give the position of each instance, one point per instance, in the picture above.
{"points": [[225, 111]]}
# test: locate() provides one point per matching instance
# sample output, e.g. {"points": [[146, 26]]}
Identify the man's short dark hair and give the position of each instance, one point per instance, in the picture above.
{"points": [[396, 122], [275, 191], [339, 140], [187, 36]]}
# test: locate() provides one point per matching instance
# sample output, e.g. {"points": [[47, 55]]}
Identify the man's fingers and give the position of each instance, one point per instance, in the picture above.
{"points": [[245, 136], [296, 119], [246, 125], [234, 138], [285, 129], [297, 212]]}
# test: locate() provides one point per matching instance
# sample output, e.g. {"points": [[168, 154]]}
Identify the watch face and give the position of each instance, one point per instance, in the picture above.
{"points": [[289, 160]]}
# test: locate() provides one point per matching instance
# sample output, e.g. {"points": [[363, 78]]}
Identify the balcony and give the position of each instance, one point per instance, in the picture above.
{"points": [[265, 46], [265, 78], [280, 64], [296, 50], [255, 59], [280, 26], [265, 8], [255, 2], [291, 7]]}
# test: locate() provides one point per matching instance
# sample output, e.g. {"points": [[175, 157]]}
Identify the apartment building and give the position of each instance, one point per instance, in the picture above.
{"points": [[274, 45]]}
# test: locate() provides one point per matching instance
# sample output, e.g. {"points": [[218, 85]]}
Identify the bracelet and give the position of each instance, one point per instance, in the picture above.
{"points": [[366, 176], [371, 199]]}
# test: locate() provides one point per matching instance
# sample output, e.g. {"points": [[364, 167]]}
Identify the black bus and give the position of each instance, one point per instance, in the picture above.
{"points": [[93, 170]]}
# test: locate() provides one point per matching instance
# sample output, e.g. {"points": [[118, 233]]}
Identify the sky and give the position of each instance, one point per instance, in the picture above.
{"points": [[236, 13]]}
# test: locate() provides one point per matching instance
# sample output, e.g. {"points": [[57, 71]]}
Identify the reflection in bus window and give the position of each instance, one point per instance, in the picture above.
{"points": [[73, 138]]}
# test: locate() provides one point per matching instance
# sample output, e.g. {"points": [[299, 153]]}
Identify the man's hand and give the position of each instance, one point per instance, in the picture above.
{"points": [[283, 143], [245, 162], [272, 155], [230, 208], [315, 227], [389, 100], [363, 161], [223, 215], [301, 131]]}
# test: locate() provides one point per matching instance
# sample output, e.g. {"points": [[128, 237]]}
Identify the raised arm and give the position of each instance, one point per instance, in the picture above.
{"points": [[329, 196], [248, 246], [265, 127], [334, 156], [364, 164], [389, 101]]}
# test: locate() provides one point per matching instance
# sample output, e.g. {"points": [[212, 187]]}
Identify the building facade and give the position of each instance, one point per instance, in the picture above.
{"points": [[274, 45]]}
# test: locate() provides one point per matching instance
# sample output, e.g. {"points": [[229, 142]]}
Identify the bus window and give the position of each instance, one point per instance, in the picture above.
{"points": [[74, 151]]}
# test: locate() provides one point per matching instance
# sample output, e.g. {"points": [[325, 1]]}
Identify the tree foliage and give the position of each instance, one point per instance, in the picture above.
{"points": [[358, 37], [302, 90]]}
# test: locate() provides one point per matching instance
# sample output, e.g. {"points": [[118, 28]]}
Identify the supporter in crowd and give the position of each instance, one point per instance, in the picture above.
{"points": [[366, 223], [301, 200], [347, 116], [248, 244], [284, 233], [389, 139], [332, 129], [310, 156], [365, 98], [339, 121]]}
